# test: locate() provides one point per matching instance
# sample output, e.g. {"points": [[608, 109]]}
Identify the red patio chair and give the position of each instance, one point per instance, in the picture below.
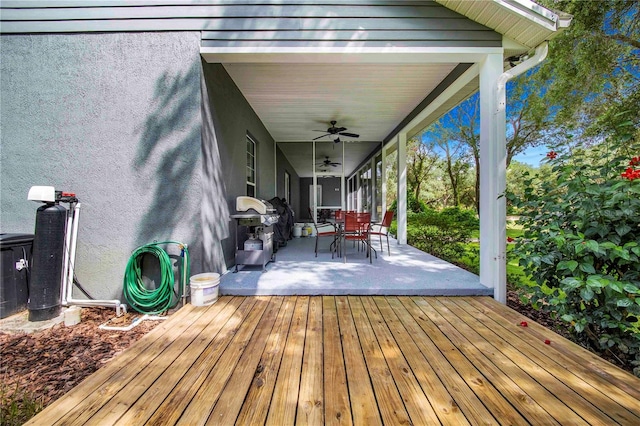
{"points": [[383, 229], [356, 228], [326, 230]]}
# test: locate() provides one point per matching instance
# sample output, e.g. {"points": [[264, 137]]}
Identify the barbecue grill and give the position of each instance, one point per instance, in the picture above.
{"points": [[254, 231]]}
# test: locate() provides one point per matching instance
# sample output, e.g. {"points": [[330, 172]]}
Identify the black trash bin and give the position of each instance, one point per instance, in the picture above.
{"points": [[16, 250]]}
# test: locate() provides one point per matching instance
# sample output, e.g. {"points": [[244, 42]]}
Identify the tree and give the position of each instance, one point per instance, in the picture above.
{"points": [[421, 160], [594, 65]]}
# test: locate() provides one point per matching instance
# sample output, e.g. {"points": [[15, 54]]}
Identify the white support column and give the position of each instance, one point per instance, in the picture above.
{"points": [[358, 192], [384, 181], [493, 232], [402, 188], [372, 188], [343, 189]]}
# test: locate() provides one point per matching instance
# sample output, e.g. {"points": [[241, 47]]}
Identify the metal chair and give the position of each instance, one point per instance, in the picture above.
{"points": [[356, 228], [326, 230], [383, 229]]}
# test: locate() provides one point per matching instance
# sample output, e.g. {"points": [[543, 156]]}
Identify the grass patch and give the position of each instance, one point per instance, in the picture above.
{"points": [[17, 405]]}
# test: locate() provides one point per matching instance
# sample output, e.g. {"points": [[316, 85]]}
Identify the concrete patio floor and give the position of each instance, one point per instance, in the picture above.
{"points": [[407, 271]]}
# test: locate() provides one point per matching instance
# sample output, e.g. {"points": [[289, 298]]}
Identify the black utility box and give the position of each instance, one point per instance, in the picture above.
{"points": [[16, 252]]}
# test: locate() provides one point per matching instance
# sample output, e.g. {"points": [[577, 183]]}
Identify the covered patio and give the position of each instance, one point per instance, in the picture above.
{"points": [[407, 271], [351, 360]]}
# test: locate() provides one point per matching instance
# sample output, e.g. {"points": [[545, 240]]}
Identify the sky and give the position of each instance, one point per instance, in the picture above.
{"points": [[532, 156]]}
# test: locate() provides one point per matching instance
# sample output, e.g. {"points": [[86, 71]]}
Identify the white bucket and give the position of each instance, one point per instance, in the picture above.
{"points": [[297, 230], [204, 288]]}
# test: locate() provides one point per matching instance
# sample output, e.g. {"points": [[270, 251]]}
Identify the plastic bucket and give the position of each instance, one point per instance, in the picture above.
{"points": [[204, 288], [297, 230]]}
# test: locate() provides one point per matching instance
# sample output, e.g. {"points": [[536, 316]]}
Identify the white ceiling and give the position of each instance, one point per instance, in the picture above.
{"points": [[294, 99]]}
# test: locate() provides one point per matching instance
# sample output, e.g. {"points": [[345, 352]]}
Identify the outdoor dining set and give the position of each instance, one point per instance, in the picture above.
{"points": [[356, 227]]}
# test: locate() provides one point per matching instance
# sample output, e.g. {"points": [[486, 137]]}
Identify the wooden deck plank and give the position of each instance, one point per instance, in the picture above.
{"points": [[411, 382], [336, 394], [284, 402], [351, 360], [162, 373], [256, 404], [199, 408], [469, 387], [144, 407], [624, 384], [171, 408], [311, 397], [225, 411], [93, 403], [445, 406], [388, 397], [364, 407], [551, 383], [75, 397], [545, 356], [501, 379]]}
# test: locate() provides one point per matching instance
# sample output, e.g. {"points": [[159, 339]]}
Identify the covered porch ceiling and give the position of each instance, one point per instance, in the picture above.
{"points": [[297, 101]]}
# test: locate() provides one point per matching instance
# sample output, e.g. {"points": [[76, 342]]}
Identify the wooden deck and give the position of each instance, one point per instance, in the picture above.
{"points": [[351, 360]]}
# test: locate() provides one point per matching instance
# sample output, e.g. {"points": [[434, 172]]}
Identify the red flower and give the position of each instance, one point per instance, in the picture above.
{"points": [[631, 174], [634, 161], [523, 324], [510, 240], [547, 342], [551, 155]]}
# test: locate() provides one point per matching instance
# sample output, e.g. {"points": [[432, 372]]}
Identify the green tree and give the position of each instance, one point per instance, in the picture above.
{"points": [[421, 160], [594, 66]]}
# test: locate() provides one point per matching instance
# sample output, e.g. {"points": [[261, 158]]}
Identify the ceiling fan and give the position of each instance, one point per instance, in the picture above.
{"points": [[326, 163], [333, 130]]}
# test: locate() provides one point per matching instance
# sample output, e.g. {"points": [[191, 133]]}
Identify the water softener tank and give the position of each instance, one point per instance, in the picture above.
{"points": [[47, 259]]}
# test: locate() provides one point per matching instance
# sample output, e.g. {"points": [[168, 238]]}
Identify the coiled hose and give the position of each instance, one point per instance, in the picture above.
{"points": [[160, 299]]}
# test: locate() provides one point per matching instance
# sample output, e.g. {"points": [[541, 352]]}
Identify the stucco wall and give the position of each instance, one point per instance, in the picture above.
{"points": [[116, 119], [228, 118]]}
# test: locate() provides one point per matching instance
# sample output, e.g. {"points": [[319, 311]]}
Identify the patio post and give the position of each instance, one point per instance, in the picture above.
{"points": [[383, 177], [493, 217], [402, 188]]}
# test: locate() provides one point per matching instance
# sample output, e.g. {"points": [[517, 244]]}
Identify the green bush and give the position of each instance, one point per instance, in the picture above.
{"points": [[414, 205], [581, 244], [441, 233]]}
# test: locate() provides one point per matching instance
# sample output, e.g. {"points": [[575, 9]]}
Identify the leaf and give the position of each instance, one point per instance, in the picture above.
{"points": [[596, 281], [571, 283], [593, 246], [586, 293], [630, 288], [568, 264], [624, 303], [588, 268], [567, 317], [623, 229]]}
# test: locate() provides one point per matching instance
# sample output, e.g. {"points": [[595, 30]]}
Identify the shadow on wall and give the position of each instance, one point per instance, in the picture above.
{"points": [[171, 142], [215, 211]]}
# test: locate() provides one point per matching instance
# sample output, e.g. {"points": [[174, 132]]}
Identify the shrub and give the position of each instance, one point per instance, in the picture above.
{"points": [[414, 205], [581, 244], [441, 233]]}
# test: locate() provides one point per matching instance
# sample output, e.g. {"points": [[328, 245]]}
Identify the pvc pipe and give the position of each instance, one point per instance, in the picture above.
{"points": [[134, 323], [70, 257]]}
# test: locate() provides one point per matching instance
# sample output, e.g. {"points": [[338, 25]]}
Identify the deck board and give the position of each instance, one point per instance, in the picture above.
{"points": [[351, 360]]}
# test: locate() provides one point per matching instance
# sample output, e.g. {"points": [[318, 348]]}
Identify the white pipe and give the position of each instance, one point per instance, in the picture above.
{"points": [[540, 55], [65, 262], [134, 323], [70, 260]]}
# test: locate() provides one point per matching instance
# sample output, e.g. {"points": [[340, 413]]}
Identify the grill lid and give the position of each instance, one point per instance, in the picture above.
{"points": [[245, 204]]}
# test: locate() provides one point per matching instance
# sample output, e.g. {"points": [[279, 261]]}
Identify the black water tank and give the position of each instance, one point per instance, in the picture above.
{"points": [[16, 252], [48, 254]]}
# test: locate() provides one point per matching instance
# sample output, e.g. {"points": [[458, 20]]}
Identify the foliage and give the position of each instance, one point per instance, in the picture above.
{"points": [[413, 205], [581, 244], [421, 160], [593, 65], [441, 233], [17, 405]]}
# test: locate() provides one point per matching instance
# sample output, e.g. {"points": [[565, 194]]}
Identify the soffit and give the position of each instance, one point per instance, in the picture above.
{"points": [[294, 99]]}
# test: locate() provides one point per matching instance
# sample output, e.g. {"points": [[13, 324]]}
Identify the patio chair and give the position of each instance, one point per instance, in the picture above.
{"points": [[383, 229], [356, 228], [326, 230]]}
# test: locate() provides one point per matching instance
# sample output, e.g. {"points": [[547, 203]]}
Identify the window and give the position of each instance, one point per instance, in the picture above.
{"points": [[287, 186], [251, 167]]}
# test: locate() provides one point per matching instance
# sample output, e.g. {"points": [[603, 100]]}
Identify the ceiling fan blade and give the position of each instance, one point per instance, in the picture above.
{"points": [[321, 136], [338, 129], [349, 135]]}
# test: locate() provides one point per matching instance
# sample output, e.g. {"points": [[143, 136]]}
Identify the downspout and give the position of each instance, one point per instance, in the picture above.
{"points": [[500, 291], [540, 55]]}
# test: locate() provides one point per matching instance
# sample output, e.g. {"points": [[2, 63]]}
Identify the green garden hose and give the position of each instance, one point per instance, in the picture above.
{"points": [[163, 297]]}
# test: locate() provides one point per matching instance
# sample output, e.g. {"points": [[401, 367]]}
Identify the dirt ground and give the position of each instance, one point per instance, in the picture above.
{"points": [[43, 366], [40, 367]]}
